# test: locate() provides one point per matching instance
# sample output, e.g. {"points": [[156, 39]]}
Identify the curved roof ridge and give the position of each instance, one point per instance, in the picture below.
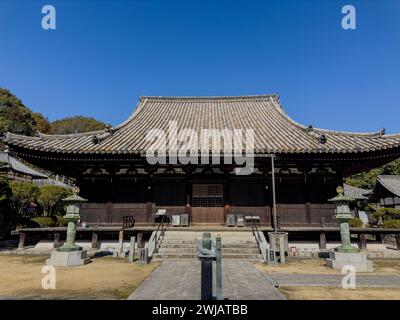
{"points": [[139, 107], [230, 98], [304, 127]]}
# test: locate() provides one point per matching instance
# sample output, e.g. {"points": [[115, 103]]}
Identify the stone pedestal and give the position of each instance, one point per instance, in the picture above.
{"points": [[68, 258], [337, 260]]}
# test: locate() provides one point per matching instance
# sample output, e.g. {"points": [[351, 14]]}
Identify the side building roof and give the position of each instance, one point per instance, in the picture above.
{"points": [[389, 182]]}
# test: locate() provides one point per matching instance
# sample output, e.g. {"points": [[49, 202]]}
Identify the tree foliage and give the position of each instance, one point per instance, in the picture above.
{"points": [[367, 180], [7, 217], [50, 198], [14, 115], [42, 124], [76, 124], [23, 193]]}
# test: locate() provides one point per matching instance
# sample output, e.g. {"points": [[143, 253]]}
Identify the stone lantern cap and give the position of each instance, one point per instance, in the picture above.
{"points": [[341, 202], [75, 197], [73, 208], [341, 197]]}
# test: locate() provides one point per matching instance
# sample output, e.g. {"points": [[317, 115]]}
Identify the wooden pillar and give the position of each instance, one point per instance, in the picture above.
{"points": [[378, 237], [139, 240], [95, 240], [322, 240], [149, 212], [362, 241], [308, 211], [22, 239], [121, 240], [398, 240], [56, 241]]}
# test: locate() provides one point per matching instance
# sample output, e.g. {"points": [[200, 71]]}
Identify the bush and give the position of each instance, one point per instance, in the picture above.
{"points": [[393, 224], [60, 221], [388, 213], [355, 223], [43, 222]]}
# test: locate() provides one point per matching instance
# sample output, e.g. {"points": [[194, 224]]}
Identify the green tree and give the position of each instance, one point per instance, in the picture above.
{"points": [[76, 124], [23, 193], [50, 198], [42, 124], [6, 212], [14, 115], [367, 180]]}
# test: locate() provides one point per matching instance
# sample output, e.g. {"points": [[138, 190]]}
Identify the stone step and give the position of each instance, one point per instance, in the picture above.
{"points": [[224, 250], [193, 241], [194, 256], [224, 247]]}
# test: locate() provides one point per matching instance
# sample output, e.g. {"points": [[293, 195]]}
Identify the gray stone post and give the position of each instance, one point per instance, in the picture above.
{"points": [[218, 268], [207, 240], [95, 239], [362, 241], [56, 241], [22, 239], [322, 240], [139, 240], [132, 249]]}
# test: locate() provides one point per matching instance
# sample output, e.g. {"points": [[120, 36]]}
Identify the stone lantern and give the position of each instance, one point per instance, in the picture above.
{"points": [[72, 216], [343, 214], [70, 254], [346, 255]]}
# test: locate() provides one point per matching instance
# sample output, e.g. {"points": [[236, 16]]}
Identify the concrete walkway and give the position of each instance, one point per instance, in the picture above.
{"points": [[180, 280], [325, 280]]}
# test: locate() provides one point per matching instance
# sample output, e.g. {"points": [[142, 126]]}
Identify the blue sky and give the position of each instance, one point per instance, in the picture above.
{"points": [[104, 54]]}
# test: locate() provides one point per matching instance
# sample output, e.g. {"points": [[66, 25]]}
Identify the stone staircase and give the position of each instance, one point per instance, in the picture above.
{"points": [[178, 244]]}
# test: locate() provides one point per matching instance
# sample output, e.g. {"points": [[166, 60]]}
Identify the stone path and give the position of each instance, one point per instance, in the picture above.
{"points": [[325, 280], [180, 280]]}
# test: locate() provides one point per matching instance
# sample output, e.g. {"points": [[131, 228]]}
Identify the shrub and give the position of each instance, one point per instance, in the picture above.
{"points": [[393, 224], [355, 223], [43, 222], [60, 221], [50, 198]]}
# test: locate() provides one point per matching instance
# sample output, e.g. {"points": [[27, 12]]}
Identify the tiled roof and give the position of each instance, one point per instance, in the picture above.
{"points": [[356, 193], [275, 131], [391, 183], [51, 182], [17, 165]]}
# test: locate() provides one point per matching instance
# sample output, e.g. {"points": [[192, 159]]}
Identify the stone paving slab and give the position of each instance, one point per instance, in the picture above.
{"points": [[180, 280], [325, 280]]}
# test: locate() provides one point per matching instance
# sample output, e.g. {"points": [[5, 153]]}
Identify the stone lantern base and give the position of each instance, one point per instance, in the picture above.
{"points": [[337, 260], [68, 258]]}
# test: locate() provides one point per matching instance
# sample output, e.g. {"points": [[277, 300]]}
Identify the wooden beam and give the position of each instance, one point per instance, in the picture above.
{"points": [[398, 240]]}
